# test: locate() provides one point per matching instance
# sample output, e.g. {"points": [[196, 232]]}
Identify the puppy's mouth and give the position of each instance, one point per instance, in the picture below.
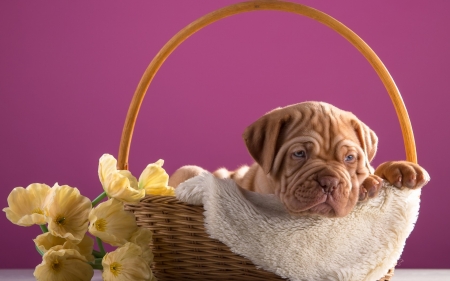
{"points": [[329, 196], [322, 203]]}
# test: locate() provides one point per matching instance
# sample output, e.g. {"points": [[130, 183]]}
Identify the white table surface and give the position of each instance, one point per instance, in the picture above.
{"points": [[400, 275]]}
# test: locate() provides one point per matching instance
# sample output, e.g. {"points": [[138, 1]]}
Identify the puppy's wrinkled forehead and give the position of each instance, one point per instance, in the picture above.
{"points": [[321, 121], [324, 122]]}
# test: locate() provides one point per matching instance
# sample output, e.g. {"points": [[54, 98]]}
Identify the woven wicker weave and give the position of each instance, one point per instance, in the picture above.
{"points": [[182, 248]]}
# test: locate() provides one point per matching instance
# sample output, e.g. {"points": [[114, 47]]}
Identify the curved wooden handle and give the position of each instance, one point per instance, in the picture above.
{"points": [[259, 5]]}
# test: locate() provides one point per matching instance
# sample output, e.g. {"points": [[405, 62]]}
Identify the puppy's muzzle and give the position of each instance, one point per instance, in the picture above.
{"points": [[328, 183]]}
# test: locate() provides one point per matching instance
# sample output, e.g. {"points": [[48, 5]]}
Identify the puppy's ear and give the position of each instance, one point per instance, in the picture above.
{"points": [[261, 138], [367, 138]]}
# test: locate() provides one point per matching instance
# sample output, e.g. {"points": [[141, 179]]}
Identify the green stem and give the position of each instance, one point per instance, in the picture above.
{"points": [[39, 251], [96, 266], [98, 199], [97, 254], [100, 246], [44, 228]]}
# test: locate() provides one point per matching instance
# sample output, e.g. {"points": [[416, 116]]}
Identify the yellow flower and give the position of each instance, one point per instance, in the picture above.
{"points": [[67, 213], [26, 205], [126, 263], [47, 241], [119, 184], [63, 264], [154, 180], [143, 237], [122, 185], [111, 223]]}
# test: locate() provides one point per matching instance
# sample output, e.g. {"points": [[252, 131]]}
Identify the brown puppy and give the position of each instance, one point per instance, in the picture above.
{"points": [[316, 159]]}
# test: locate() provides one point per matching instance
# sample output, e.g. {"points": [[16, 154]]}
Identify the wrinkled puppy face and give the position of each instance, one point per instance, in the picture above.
{"points": [[316, 156]]}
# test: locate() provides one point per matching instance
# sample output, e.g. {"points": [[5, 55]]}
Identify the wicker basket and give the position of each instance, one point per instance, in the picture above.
{"points": [[182, 248]]}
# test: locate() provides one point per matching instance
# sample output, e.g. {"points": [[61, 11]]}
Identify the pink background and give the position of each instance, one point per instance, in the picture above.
{"points": [[68, 71]]}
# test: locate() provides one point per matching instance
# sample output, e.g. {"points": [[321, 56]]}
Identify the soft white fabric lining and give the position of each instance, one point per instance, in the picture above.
{"points": [[361, 246]]}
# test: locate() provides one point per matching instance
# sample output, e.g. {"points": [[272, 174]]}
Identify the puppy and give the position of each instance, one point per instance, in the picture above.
{"points": [[316, 159]]}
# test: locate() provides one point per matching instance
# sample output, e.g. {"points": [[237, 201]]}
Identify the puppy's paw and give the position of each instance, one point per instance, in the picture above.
{"points": [[370, 187], [403, 174], [192, 190]]}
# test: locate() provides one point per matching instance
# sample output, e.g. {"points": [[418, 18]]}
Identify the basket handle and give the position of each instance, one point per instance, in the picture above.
{"points": [[258, 5]]}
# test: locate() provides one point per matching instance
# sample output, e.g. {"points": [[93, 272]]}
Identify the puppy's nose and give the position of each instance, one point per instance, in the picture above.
{"points": [[329, 183]]}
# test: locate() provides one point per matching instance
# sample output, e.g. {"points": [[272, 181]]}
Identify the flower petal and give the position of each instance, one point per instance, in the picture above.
{"points": [[67, 213], [126, 263], [47, 241], [63, 264], [132, 179], [111, 223], [107, 165], [163, 191], [119, 185], [153, 176], [26, 205], [85, 247], [154, 180], [143, 237]]}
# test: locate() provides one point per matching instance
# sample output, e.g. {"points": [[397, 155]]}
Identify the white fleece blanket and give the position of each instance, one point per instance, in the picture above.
{"points": [[361, 246]]}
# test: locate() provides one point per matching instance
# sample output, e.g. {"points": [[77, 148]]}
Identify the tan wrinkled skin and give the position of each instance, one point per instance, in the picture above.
{"points": [[316, 159]]}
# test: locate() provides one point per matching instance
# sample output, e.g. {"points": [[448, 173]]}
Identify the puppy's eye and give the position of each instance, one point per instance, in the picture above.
{"points": [[349, 158], [299, 154]]}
